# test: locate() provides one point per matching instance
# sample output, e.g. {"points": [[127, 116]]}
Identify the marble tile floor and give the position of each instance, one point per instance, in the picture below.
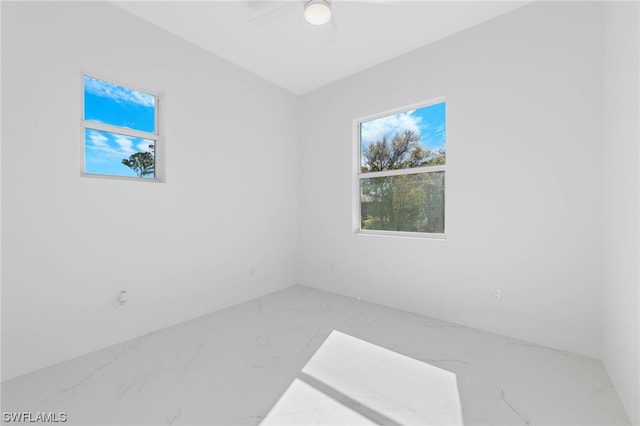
{"points": [[232, 366]]}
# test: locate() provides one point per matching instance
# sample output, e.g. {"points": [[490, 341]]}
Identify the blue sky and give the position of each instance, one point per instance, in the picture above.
{"points": [[119, 106], [428, 122]]}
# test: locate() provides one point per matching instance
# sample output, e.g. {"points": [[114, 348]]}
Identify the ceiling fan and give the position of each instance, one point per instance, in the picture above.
{"points": [[315, 12]]}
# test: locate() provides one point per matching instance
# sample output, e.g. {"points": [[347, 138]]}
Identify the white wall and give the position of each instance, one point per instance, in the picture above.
{"points": [[621, 213], [523, 182], [181, 248], [525, 185]]}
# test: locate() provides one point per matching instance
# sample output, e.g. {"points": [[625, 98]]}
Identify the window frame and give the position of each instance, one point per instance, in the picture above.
{"points": [[358, 175], [155, 136]]}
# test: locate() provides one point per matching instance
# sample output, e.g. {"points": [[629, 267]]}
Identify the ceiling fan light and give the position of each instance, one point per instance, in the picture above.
{"points": [[317, 12]]}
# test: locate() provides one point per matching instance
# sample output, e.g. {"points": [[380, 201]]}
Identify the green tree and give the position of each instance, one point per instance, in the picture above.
{"points": [[143, 163], [413, 202]]}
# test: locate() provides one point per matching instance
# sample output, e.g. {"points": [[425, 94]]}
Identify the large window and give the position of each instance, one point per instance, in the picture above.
{"points": [[120, 130], [401, 172]]}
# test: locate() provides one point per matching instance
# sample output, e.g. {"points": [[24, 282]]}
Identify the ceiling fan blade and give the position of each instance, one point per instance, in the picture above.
{"points": [[332, 37], [379, 2], [274, 13]]}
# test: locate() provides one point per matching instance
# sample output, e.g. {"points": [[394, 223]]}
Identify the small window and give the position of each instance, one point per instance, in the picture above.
{"points": [[120, 130], [401, 172]]}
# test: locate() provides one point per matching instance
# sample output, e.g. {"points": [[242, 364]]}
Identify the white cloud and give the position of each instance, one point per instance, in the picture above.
{"points": [[434, 137], [98, 140], [375, 129], [118, 148], [125, 144], [117, 93], [99, 143], [144, 145]]}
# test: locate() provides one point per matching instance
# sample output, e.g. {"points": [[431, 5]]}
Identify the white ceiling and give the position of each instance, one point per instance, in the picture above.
{"points": [[272, 39]]}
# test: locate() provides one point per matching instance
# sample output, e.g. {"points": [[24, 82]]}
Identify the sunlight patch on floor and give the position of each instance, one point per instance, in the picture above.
{"points": [[351, 381]]}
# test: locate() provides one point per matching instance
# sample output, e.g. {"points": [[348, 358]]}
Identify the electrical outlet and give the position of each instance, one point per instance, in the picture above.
{"points": [[123, 298], [497, 294]]}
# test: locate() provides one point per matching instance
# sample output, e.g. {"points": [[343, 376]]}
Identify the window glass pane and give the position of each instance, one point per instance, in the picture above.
{"points": [[411, 203], [412, 138], [118, 155], [109, 103]]}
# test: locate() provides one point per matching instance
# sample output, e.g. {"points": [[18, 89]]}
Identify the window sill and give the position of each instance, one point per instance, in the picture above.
{"points": [[125, 178], [401, 234]]}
